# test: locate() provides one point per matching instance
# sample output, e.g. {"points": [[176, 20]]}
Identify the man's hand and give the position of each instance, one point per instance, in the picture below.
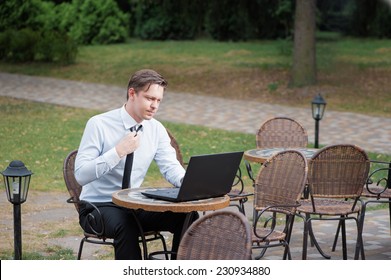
{"points": [[128, 144]]}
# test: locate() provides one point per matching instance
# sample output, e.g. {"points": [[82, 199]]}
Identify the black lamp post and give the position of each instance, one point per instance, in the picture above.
{"points": [[318, 106], [17, 181]]}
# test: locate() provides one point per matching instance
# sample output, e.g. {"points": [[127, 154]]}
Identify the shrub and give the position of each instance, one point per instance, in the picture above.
{"points": [[27, 45], [22, 45], [98, 22], [55, 47]]}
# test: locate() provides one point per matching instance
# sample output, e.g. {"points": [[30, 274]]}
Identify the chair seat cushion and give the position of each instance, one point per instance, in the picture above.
{"points": [[327, 207]]}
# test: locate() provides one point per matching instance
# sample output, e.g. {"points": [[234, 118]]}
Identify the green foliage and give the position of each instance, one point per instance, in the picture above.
{"points": [[97, 22], [20, 14], [29, 32], [167, 20], [27, 45], [21, 45]]}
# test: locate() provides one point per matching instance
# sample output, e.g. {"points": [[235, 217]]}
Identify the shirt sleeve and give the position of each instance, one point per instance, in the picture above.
{"points": [[91, 163], [166, 159]]}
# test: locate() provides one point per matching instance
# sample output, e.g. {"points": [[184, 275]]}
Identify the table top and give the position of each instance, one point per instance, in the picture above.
{"points": [[261, 155], [134, 199]]}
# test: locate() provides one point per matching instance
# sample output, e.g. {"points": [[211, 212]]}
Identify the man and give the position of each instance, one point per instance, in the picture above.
{"points": [[100, 161]]}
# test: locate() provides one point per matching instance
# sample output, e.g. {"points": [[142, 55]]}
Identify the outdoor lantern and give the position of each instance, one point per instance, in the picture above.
{"points": [[318, 107], [17, 181]]}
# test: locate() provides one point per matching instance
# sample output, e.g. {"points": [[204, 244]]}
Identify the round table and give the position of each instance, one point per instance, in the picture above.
{"points": [[134, 199], [261, 155]]}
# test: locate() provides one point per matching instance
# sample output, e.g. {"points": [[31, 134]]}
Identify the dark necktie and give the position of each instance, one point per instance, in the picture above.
{"points": [[128, 164]]}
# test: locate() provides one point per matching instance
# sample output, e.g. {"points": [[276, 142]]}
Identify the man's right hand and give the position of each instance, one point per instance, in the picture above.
{"points": [[128, 144]]}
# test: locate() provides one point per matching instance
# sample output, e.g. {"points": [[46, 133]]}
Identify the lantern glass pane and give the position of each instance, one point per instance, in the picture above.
{"points": [[25, 188], [8, 190]]}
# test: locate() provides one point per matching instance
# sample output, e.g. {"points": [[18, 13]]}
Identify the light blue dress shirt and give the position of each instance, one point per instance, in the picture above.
{"points": [[99, 169]]}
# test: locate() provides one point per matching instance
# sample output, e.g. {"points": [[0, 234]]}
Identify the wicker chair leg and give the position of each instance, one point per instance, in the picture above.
{"points": [[360, 229], [343, 231], [389, 212], [161, 237], [260, 256], [315, 242], [305, 240], [289, 221], [336, 237], [80, 248], [287, 251]]}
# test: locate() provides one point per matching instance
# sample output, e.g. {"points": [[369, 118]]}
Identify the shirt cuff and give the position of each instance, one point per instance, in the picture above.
{"points": [[111, 157]]}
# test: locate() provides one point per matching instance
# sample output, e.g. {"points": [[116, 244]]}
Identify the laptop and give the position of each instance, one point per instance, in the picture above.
{"points": [[206, 176]]}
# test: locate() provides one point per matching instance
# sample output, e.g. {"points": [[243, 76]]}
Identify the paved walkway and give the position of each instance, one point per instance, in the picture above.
{"points": [[370, 133]]}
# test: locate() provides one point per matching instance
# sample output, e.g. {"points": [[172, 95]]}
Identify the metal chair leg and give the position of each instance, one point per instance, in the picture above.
{"points": [[80, 248]]}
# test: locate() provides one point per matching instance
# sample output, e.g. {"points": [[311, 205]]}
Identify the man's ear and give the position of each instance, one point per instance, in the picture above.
{"points": [[131, 93]]}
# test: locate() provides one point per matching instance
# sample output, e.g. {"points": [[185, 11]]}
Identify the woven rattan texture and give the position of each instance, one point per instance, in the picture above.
{"points": [[281, 180], [281, 132], [219, 235], [338, 171]]}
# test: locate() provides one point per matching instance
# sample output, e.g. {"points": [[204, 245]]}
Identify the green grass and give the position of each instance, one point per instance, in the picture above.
{"points": [[353, 74], [51, 253]]}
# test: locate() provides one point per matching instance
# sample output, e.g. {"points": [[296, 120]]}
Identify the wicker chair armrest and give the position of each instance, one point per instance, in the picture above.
{"points": [[379, 180], [281, 208], [272, 219], [91, 220]]}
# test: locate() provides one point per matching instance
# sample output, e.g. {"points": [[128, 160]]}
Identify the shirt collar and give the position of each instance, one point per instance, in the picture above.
{"points": [[127, 120]]}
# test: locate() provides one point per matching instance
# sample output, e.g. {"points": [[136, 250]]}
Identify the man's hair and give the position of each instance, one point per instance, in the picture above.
{"points": [[143, 79]]}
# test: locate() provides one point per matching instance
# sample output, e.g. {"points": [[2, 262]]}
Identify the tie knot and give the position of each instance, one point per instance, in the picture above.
{"points": [[134, 128]]}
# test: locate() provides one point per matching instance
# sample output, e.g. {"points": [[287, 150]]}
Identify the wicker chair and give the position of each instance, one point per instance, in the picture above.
{"points": [[281, 132], [377, 190], [219, 235], [74, 190], [336, 177], [278, 188], [175, 144]]}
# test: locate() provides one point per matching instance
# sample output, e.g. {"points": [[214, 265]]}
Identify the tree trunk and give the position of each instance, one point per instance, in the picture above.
{"points": [[304, 52]]}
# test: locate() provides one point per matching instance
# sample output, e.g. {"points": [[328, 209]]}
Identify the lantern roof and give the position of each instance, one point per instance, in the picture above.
{"points": [[16, 169]]}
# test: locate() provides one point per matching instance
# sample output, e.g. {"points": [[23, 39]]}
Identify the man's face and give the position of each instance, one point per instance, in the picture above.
{"points": [[143, 105]]}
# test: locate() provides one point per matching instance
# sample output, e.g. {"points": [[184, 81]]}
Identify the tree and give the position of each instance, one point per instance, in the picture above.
{"points": [[304, 49]]}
